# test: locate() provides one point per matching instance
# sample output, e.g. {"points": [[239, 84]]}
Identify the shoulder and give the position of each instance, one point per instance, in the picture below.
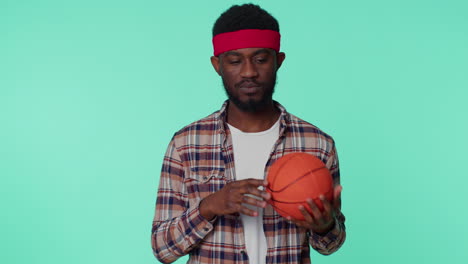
{"points": [[199, 131], [209, 122], [302, 136], [303, 129]]}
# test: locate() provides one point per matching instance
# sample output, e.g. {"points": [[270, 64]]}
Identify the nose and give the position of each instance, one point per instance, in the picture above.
{"points": [[249, 70]]}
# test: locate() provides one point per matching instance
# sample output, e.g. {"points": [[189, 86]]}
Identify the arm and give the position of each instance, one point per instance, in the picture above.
{"points": [[326, 229], [331, 240], [177, 225]]}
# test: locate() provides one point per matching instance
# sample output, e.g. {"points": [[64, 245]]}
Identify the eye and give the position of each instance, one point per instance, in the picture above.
{"points": [[261, 60], [234, 62]]}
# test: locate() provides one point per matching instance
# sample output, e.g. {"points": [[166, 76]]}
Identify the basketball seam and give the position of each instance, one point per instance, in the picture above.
{"points": [[295, 181], [293, 202]]}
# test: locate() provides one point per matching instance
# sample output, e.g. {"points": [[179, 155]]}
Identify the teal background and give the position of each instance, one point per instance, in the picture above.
{"points": [[92, 91]]}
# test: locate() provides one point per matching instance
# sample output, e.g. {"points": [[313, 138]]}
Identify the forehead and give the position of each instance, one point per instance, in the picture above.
{"points": [[248, 52]]}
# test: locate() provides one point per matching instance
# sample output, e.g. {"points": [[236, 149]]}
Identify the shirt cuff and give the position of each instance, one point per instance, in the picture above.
{"points": [[329, 237], [200, 225]]}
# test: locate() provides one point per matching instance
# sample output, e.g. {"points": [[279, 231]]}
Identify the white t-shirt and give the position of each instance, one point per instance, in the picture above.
{"points": [[251, 153]]}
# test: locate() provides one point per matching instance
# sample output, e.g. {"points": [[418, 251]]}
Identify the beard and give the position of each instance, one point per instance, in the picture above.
{"points": [[252, 105]]}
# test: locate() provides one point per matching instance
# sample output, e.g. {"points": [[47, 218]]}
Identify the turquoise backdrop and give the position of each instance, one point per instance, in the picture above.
{"points": [[92, 91]]}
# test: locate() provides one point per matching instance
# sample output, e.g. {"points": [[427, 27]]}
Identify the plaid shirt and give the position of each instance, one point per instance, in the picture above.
{"points": [[200, 161]]}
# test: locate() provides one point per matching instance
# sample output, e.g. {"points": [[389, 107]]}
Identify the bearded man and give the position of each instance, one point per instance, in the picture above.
{"points": [[211, 201]]}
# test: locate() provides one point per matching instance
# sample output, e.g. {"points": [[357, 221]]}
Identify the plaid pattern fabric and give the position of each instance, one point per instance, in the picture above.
{"points": [[200, 161]]}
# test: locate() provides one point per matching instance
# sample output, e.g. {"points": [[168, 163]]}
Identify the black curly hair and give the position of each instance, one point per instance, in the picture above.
{"points": [[247, 16]]}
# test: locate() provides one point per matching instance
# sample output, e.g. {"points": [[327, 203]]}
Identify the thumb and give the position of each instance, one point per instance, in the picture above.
{"points": [[337, 196]]}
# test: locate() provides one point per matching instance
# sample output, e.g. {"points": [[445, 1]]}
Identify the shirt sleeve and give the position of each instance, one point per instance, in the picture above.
{"points": [[177, 226], [330, 242]]}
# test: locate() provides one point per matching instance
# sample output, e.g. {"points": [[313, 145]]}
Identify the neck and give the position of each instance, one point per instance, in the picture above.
{"points": [[251, 122]]}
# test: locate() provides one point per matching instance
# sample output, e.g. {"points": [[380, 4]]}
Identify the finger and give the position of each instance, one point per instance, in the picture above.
{"points": [[327, 207], [253, 190], [308, 218], [248, 186], [250, 181], [337, 197], [253, 201], [316, 213], [234, 206], [337, 191], [234, 194], [246, 211]]}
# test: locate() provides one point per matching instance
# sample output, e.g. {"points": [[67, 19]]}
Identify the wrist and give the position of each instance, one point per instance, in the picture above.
{"points": [[205, 209], [326, 229]]}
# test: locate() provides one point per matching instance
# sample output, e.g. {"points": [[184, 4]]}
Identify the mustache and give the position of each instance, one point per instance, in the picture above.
{"points": [[247, 83]]}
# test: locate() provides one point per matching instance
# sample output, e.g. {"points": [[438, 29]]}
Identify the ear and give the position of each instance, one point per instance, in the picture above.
{"points": [[215, 61], [279, 59]]}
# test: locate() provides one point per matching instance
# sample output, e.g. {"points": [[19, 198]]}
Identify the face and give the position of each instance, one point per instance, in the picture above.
{"points": [[249, 76]]}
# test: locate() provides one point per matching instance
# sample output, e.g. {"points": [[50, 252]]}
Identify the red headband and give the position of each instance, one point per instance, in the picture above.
{"points": [[246, 38]]}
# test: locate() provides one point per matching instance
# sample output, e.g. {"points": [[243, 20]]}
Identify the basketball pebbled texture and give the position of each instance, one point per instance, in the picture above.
{"points": [[295, 177]]}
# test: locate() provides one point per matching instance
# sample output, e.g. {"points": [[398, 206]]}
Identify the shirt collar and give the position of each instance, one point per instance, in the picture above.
{"points": [[222, 122]]}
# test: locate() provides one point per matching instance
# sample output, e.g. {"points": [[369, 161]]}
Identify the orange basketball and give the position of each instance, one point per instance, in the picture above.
{"points": [[295, 177]]}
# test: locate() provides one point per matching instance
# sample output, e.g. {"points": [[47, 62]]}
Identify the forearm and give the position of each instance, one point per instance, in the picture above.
{"points": [[330, 242], [177, 224], [175, 237]]}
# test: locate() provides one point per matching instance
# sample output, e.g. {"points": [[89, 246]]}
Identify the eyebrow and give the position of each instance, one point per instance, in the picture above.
{"points": [[235, 53], [261, 51]]}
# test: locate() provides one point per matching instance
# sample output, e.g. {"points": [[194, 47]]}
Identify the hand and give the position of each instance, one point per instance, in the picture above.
{"points": [[233, 197], [320, 221]]}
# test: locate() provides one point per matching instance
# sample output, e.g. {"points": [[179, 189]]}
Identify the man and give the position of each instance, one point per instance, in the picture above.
{"points": [[211, 201]]}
